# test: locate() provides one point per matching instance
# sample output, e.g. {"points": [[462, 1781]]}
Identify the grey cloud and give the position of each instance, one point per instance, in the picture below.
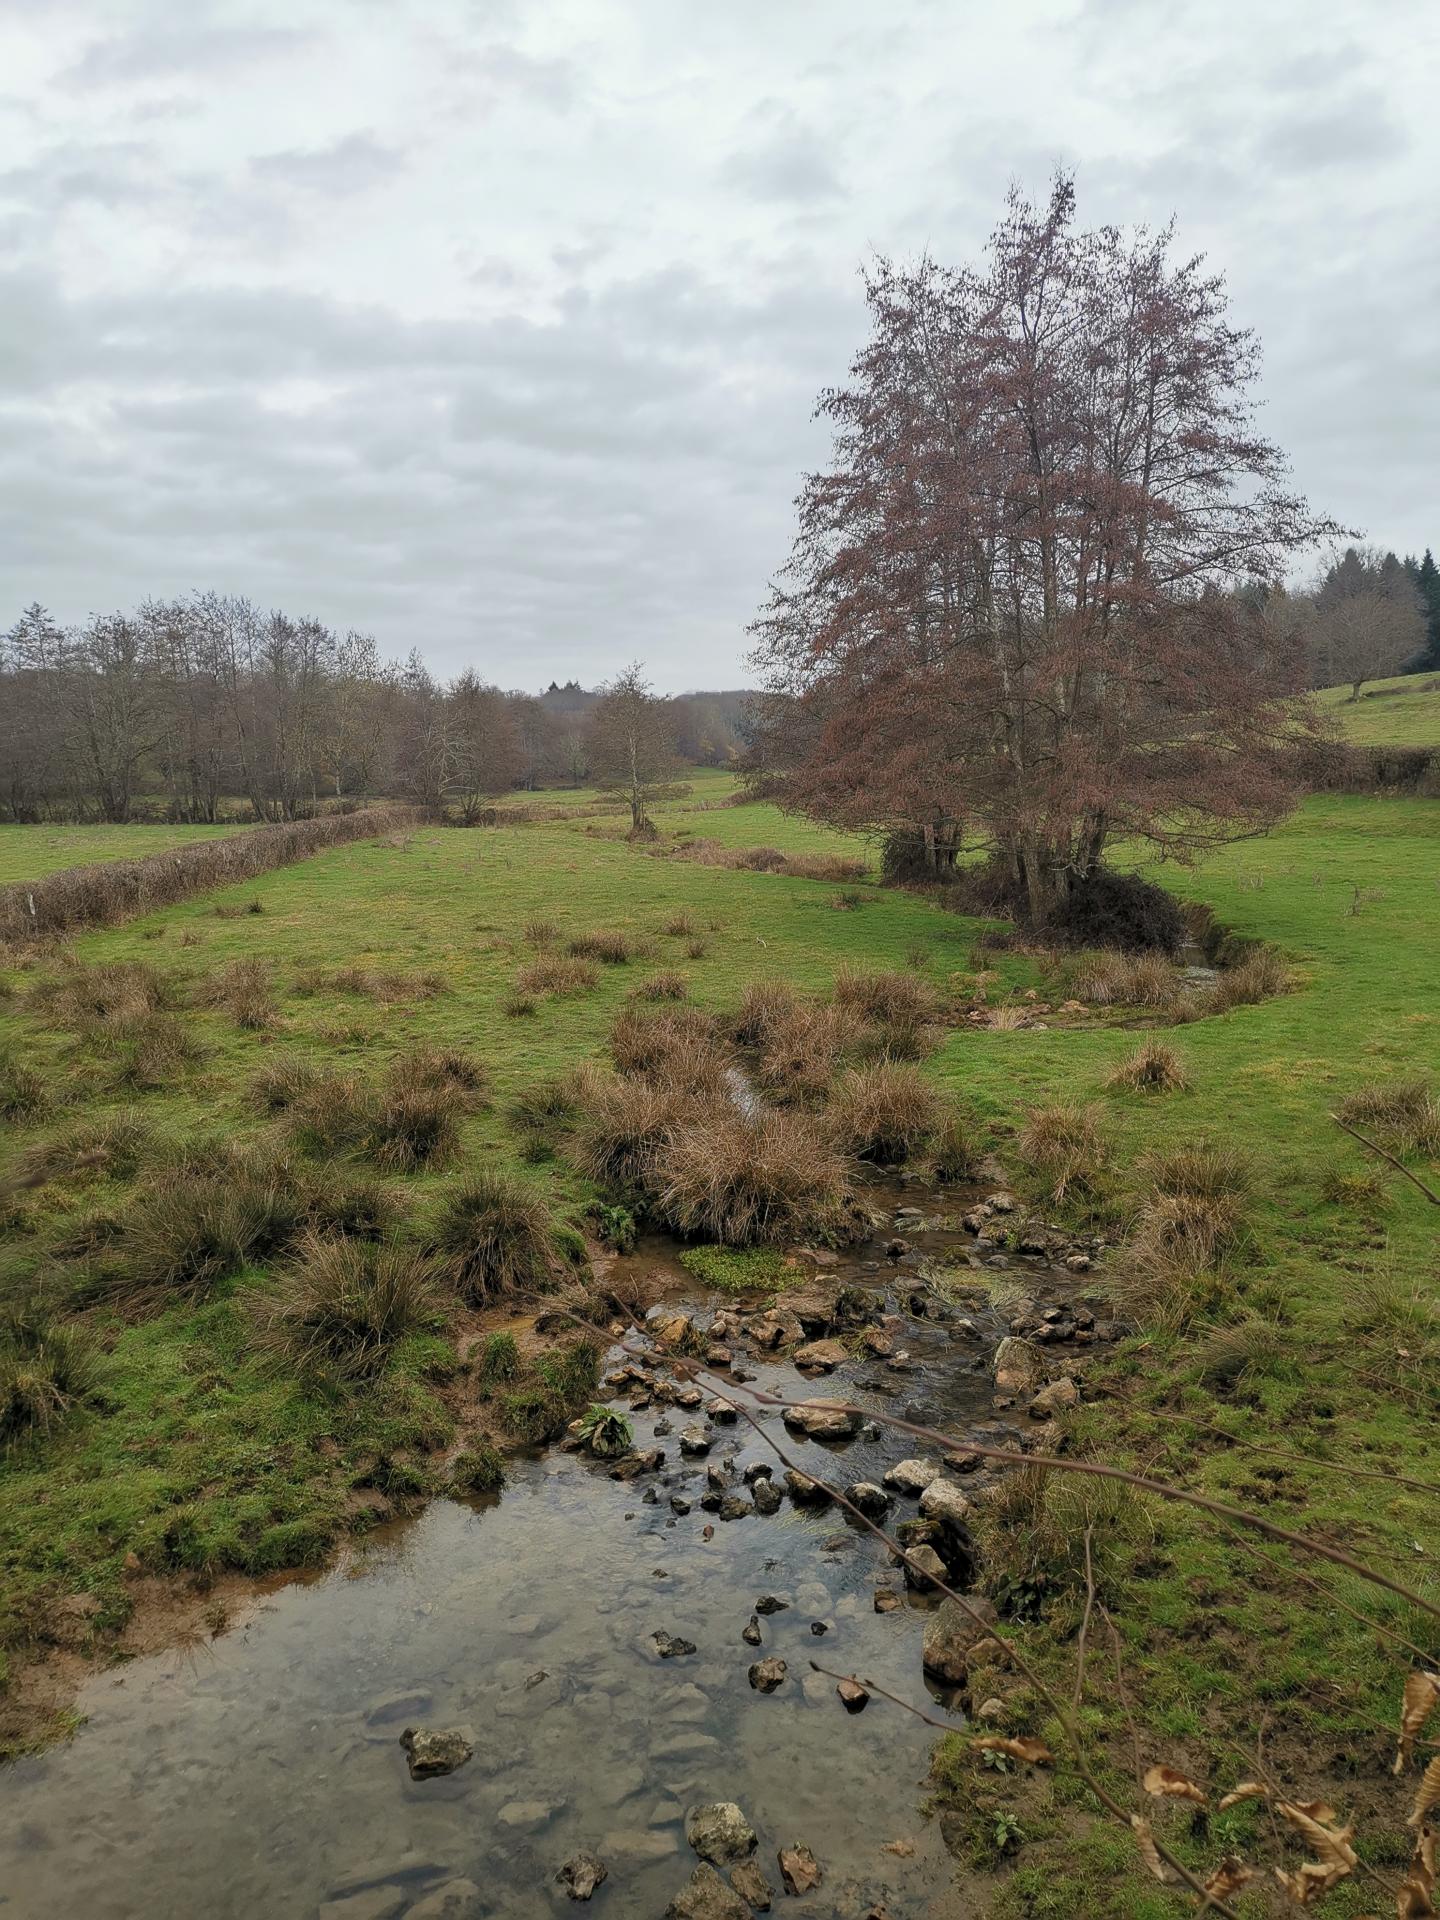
{"points": [[180, 49], [784, 162], [352, 165]]}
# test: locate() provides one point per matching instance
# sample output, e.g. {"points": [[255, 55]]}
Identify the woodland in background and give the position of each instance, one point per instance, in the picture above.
{"points": [[208, 709]]}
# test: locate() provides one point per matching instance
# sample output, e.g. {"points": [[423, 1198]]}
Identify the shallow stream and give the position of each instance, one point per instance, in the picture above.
{"points": [[262, 1774]]}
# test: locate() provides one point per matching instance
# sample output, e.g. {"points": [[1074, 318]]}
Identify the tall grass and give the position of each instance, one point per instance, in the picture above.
{"points": [[495, 1235], [343, 1306]]}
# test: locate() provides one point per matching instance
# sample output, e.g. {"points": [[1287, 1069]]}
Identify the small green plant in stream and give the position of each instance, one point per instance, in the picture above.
{"points": [[606, 1432], [738, 1269], [480, 1468], [615, 1228]]}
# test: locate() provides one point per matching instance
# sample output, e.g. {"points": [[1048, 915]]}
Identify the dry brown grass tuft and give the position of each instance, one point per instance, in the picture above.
{"points": [[388, 985], [23, 1093], [1403, 1115], [555, 976], [611, 948], [341, 1309], [765, 1007], [1259, 976], [1197, 1170], [626, 1130], [495, 1235], [113, 1146], [113, 996], [1127, 980], [667, 984], [537, 931], [154, 1055], [956, 1153], [283, 1081], [677, 1045], [752, 1180], [679, 925], [449, 1068], [414, 1124], [1063, 1144], [1152, 1068], [696, 949], [888, 998], [242, 989], [883, 1112], [802, 1054]]}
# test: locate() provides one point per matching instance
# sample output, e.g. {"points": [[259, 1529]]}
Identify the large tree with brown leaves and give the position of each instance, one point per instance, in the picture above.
{"points": [[1012, 602]]}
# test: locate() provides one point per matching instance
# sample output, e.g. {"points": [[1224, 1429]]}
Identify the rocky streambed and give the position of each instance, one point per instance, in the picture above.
{"points": [[597, 1689]]}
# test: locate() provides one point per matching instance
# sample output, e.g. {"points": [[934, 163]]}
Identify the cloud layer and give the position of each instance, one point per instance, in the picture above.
{"points": [[496, 330]]}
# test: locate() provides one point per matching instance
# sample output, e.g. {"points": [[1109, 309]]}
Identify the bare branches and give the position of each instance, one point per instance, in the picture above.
{"points": [[1399, 1165]]}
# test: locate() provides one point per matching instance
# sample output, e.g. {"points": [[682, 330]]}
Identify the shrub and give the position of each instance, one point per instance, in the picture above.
{"points": [[1152, 1068], [494, 1235], [412, 1125], [629, 1127], [23, 1093], [746, 1180], [242, 989], [557, 976], [611, 948], [1120, 910], [882, 1112], [667, 984], [1403, 1115], [1063, 1144], [47, 1368], [479, 1468], [342, 1307], [116, 890]]}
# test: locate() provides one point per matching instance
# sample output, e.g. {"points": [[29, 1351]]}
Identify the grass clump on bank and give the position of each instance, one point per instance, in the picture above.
{"points": [[342, 1306], [495, 1235]]}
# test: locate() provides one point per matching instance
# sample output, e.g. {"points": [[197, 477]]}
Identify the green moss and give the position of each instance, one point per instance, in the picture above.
{"points": [[738, 1269]]}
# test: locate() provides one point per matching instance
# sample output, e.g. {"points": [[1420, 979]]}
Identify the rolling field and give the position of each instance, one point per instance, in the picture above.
{"points": [[27, 853], [1403, 712], [202, 1455]]}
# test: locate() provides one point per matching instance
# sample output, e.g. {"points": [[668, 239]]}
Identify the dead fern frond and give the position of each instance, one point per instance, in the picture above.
{"points": [[1421, 1697]]}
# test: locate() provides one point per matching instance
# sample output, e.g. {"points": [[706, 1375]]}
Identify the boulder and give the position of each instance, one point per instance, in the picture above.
{"points": [[433, 1751], [768, 1674], [911, 1476], [869, 1499], [722, 1412], [776, 1329], [806, 1492], [944, 1503], [887, 1600], [766, 1496], [750, 1632], [823, 1420], [953, 1635], [771, 1603], [707, 1898], [1058, 1397], [820, 1356], [581, 1875], [670, 1646], [853, 1697], [719, 1832], [922, 1568], [695, 1441]]}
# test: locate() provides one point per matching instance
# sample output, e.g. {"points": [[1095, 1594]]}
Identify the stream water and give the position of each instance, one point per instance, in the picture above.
{"points": [[262, 1774]]}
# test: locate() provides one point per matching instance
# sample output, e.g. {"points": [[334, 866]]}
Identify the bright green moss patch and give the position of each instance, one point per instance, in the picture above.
{"points": [[738, 1269]]}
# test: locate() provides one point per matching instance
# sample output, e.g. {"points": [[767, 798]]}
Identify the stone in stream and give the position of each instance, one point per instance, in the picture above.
{"points": [[1056, 1398], [887, 1600], [771, 1603], [1018, 1366], [735, 1506], [707, 1898], [944, 1503], [722, 1412], [820, 1356], [767, 1674], [819, 1628], [679, 1504], [799, 1869], [433, 1751], [662, 1428], [581, 1875], [911, 1476], [823, 1420], [806, 1492], [853, 1697], [695, 1441], [869, 1499], [750, 1633], [922, 1568], [752, 1886], [766, 1496], [719, 1832], [757, 1470], [953, 1633], [689, 1398], [717, 1476], [670, 1646]]}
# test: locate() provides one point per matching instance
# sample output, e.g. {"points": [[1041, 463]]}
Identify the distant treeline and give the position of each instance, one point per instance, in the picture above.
{"points": [[210, 709]]}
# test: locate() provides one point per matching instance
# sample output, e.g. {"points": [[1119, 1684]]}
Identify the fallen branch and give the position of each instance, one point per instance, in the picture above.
{"points": [[1399, 1165]]}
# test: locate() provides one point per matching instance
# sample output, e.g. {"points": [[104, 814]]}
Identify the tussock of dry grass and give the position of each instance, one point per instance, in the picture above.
{"points": [[761, 1180], [1064, 1145], [887, 998], [113, 1146], [835, 868], [495, 1235], [627, 1130], [611, 948], [537, 931], [1403, 1115], [556, 975], [666, 984], [23, 1093], [242, 989], [414, 1125], [1152, 1068], [343, 1306], [154, 1054], [116, 994], [679, 1045], [885, 1112], [1127, 980]]}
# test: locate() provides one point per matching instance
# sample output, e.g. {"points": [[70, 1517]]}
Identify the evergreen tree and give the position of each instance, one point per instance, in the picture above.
{"points": [[1427, 580]]}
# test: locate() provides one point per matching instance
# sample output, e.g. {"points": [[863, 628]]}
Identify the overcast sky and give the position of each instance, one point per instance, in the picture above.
{"points": [[495, 329]]}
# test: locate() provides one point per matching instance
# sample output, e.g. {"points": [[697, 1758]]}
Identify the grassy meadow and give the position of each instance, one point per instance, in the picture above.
{"points": [[28, 853], [1315, 1333], [1403, 712]]}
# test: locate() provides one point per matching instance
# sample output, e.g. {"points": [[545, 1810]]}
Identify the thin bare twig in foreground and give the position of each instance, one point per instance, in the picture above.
{"points": [[1399, 1165], [1080, 1644]]}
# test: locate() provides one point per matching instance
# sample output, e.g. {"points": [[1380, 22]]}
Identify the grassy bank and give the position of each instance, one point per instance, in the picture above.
{"points": [[1316, 1334]]}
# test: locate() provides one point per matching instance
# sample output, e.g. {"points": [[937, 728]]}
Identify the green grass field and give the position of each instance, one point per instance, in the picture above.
{"points": [[203, 1456], [27, 853], [1404, 712]]}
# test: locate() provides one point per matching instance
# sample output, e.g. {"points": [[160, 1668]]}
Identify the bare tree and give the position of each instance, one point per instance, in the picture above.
{"points": [[632, 744], [485, 751]]}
